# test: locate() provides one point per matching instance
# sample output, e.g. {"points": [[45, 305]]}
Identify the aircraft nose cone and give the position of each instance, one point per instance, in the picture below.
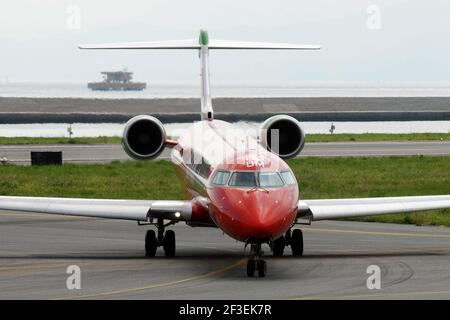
{"points": [[265, 215], [255, 214], [258, 219]]}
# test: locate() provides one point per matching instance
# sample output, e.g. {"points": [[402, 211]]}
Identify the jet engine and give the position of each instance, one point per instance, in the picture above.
{"points": [[282, 135], [144, 137]]}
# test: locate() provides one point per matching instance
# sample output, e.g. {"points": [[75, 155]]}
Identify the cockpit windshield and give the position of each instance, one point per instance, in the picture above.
{"points": [[221, 178], [252, 179], [243, 179], [270, 180], [288, 178]]}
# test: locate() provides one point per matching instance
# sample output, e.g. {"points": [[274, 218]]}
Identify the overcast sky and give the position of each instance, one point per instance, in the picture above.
{"points": [[396, 40]]}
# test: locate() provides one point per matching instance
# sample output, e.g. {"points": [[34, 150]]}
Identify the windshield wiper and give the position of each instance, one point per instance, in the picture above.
{"points": [[257, 189], [263, 189]]}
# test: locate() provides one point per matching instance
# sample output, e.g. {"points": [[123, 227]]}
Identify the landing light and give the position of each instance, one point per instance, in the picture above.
{"points": [[177, 214]]}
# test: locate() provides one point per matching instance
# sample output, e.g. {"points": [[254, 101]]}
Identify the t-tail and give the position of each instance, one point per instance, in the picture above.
{"points": [[203, 44]]}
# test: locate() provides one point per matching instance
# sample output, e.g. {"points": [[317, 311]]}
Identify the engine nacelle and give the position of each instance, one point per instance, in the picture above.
{"points": [[291, 136], [144, 137]]}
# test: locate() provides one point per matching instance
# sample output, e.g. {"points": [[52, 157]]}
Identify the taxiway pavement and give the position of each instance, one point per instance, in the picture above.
{"points": [[36, 250]]}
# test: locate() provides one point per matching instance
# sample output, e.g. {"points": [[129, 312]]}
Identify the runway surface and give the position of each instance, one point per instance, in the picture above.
{"points": [[35, 251], [106, 153]]}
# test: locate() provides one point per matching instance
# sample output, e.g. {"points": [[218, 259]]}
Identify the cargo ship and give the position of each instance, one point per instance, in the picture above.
{"points": [[117, 81]]}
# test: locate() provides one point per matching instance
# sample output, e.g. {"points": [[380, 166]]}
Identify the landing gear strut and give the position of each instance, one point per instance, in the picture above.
{"points": [[293, 239], [164, 239], [255, 263]]}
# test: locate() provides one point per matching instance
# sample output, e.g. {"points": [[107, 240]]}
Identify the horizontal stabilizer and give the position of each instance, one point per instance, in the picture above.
{"points": [[194, 44], [227, 44], [173, 44]]}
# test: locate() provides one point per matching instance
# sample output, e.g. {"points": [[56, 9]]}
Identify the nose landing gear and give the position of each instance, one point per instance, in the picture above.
{"points": [[293, 238], [255, 263]]}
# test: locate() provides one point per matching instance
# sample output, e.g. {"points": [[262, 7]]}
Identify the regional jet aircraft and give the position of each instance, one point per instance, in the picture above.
{"points": [[235, 182]]}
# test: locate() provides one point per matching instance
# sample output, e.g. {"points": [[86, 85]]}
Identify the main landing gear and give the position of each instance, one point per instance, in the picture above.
{"points": [[293, 239], [162, 239]]}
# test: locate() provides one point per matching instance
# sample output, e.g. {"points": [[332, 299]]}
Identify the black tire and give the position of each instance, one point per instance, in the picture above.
{"points": [[251, 267], [169, 243], [151, 243], [262, 268], [278, 246], [297, 242]]}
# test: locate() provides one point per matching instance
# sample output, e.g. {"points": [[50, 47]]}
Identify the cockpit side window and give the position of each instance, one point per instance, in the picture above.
{"points": [[288, 177], [243, 179], [270, 180], [221, 178]]}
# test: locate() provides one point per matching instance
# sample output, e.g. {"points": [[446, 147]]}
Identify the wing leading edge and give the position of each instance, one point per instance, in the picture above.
{"points": [[137, 210], [357, 207]]}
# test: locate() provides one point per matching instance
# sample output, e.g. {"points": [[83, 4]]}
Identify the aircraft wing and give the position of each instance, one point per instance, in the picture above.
{"points": [[137, 210], [357, 207]]}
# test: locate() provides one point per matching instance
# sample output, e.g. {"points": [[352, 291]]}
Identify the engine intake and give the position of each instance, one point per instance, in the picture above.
{"points": [[144, 137], [291, 136]]}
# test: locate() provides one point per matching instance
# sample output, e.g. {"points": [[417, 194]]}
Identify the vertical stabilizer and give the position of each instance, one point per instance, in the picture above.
{"points": [[207, 112]]}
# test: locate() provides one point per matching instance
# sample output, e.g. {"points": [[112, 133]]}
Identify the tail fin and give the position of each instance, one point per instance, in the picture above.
{"points": [[203, 44]]}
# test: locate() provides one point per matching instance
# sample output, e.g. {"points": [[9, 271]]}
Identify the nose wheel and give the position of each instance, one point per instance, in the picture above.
{"points": [[255, 263], [163, 239]]}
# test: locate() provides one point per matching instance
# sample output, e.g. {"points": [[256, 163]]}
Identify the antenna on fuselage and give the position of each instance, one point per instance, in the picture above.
{"points": [[203, 44]]}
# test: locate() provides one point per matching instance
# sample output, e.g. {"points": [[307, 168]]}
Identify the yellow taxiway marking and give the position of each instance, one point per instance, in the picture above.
{"points": [[376, 233], [375, 295], [158, 285]]}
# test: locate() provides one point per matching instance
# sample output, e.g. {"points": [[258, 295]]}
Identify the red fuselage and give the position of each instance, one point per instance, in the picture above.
{"points": [[248, 192]]}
